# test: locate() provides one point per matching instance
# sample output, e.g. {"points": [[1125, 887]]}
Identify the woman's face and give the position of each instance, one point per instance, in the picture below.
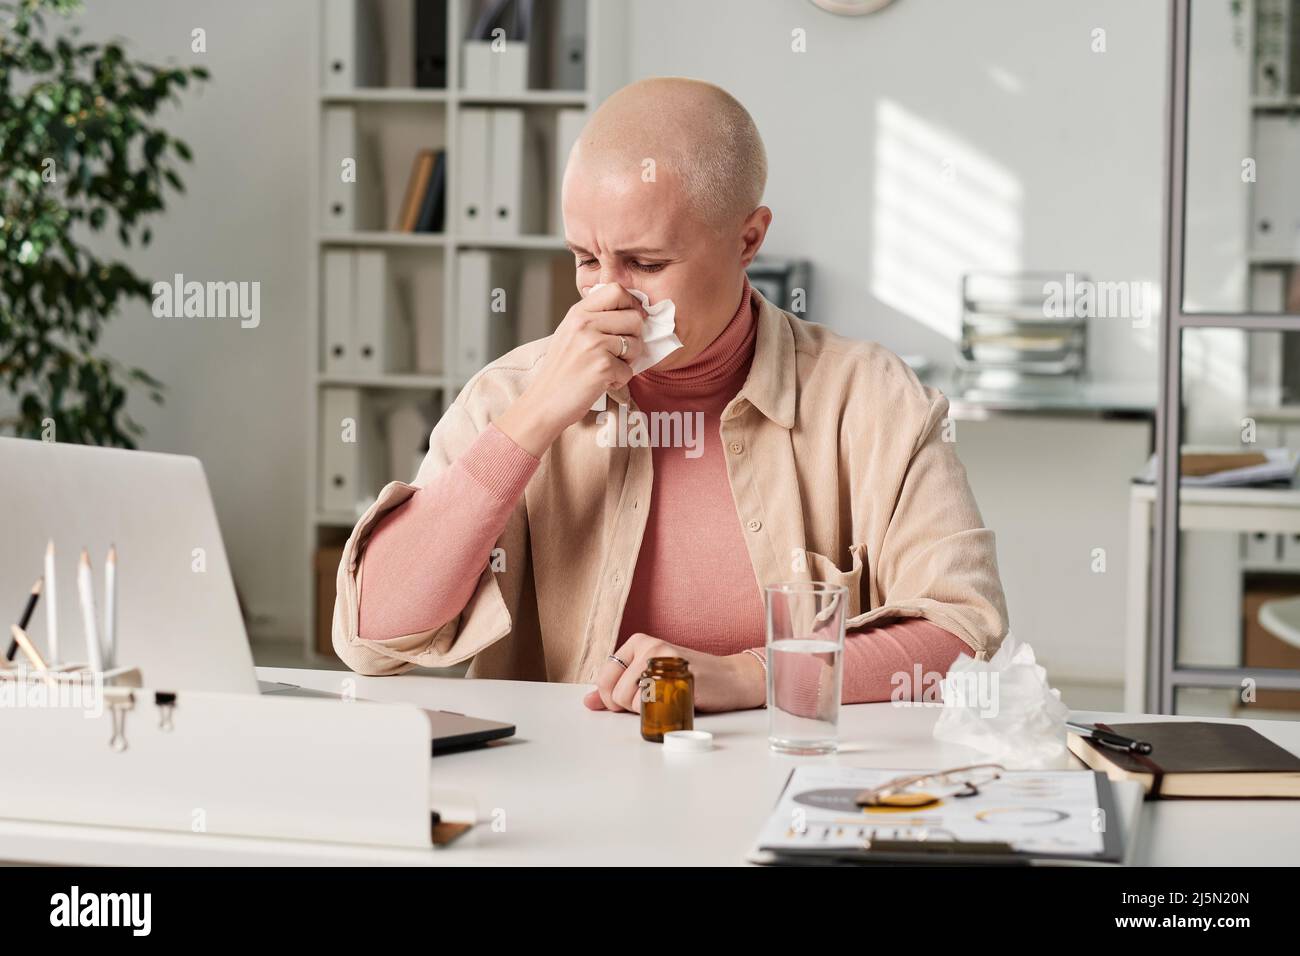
{"points": [[644, 236]]}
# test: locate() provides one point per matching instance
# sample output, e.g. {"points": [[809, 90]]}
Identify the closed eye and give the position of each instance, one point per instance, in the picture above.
{"points": [[648, 267]]}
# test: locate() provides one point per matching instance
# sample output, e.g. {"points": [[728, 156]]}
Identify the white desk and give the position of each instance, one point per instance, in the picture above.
{"points": [[581, 787]]}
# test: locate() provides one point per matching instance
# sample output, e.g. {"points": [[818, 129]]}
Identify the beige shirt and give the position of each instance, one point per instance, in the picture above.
{"points": [[841, 467]]}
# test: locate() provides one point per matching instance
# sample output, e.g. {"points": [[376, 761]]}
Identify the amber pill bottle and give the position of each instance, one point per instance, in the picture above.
{"points": [[667, 698]]}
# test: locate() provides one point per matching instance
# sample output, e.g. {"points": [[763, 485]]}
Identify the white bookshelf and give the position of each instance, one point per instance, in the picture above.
{"points": [[381, 238], [397, 110]]}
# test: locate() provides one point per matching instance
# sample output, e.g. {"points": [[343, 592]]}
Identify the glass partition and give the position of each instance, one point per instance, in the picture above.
{"points": [[1242, 213]]}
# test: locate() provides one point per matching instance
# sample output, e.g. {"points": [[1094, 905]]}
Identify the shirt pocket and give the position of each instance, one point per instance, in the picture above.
{"points": [[822, 568]]}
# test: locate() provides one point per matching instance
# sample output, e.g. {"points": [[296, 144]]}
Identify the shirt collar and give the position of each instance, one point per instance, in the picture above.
{"points": [[770, 385]]}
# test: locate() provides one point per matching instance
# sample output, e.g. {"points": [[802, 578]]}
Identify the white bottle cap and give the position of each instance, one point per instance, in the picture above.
{"points": [[688, 741]]}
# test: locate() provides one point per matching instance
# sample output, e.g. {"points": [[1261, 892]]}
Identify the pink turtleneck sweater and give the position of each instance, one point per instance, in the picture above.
{"points": [[694, 584]]}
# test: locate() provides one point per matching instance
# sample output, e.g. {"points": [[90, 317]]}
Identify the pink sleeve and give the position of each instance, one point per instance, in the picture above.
{"points": [[872, 659], [423, 561]]}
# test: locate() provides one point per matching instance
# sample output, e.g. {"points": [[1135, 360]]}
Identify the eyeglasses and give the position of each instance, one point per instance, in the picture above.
{"points": [[904, 791]]}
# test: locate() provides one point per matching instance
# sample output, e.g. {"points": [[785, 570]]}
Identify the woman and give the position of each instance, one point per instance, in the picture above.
{"points": [[536, 546]]}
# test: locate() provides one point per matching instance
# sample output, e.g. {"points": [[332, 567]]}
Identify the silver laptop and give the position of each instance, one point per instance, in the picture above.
{"points": [[178, 618]]}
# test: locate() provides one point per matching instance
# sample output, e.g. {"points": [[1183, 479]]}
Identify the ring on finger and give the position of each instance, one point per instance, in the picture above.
{"points": [[623, 350]]}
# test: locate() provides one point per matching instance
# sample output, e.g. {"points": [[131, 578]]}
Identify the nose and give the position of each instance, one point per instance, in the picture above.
{"points": [[610, 273]]}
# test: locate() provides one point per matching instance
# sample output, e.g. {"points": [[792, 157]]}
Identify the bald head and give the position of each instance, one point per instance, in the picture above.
{"points": [[693, 136]]}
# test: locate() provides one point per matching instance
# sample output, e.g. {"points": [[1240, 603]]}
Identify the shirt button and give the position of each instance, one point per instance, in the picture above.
{"points": [[636, 503], [737, 447], [616, 578], [754, 524]]}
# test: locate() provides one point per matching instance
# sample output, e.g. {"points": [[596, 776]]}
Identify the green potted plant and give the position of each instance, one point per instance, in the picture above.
{"points": [[80, 153]]}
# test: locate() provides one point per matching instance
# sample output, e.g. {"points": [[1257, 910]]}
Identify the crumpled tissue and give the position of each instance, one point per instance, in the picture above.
{"points": [[1005, 709], [657, 335]]}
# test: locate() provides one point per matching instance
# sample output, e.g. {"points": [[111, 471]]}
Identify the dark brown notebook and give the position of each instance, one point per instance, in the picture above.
{"points": [[1197, 759]]}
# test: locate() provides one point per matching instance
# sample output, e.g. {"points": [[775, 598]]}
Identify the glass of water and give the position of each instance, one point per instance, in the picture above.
{"points": [[805, 659]]}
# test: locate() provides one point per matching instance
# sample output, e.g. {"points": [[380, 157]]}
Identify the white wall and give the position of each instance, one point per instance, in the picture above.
{"points": [[905, 148], [236, 398], [939, 136]]}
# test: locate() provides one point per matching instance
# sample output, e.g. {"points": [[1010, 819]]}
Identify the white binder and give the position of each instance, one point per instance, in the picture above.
{"points": [[339, 127], [514, 186], [337, 279], [477, 72], [568, 126], [350, 48], [381, 330], [352, 457], [569, 45], [407, 431], [472, 168], [1275, 197], [511, 73], [1272, 43], [224, 764], [485, 70], [485, 279]]}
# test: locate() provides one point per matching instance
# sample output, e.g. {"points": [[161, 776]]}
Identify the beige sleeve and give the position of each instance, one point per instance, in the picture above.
{"points": [[487, 616], [938, 561]]}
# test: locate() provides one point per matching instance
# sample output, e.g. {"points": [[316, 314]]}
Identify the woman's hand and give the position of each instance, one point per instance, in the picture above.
{"points": [[586, 356], [735, 682]]}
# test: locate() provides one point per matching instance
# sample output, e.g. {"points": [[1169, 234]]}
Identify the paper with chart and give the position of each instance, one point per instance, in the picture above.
{"points": [[1035, 811]]}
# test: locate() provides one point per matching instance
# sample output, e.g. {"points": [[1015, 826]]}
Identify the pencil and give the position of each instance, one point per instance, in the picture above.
{"points": [[110, 608], [26, 617], [86, 590], [21, 639], [51, 606]]}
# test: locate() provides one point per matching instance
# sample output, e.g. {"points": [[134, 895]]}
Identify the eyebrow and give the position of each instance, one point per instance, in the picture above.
{"points": [[638, 251]]}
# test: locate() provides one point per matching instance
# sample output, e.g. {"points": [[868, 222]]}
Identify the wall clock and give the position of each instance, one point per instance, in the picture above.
{"points": [[852, 8]]}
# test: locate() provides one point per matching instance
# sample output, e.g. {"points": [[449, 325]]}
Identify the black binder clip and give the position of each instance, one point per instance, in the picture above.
{"points": [[165, 700]]}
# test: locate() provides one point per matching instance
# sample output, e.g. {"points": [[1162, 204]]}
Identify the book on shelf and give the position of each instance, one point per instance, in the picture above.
{"points": [[433, 209], [423, 204], [416, 186]]}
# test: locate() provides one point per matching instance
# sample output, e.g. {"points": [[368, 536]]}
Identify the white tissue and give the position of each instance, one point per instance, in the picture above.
{"points": [[1005, 709], [658, 340]]}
